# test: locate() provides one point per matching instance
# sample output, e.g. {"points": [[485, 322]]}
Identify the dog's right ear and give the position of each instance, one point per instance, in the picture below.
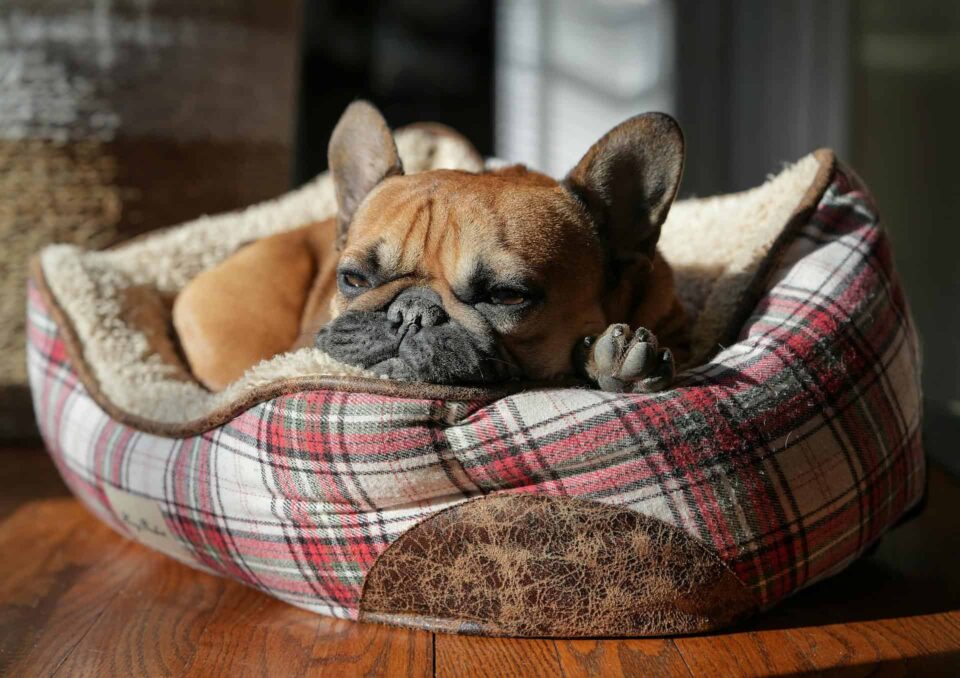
{"points": [[628, 181], [362, 153]]}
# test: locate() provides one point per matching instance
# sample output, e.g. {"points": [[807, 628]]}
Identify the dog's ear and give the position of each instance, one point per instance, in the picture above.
{"points": [[628, 181], [362, 153]]}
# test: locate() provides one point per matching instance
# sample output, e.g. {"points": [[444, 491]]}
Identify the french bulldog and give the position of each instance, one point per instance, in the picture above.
{"points": [[453, 277]]}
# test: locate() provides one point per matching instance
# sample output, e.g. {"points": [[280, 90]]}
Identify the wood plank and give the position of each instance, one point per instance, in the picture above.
{"points": [[627, 657], [251, 634], [929, 640], [346, 648], [938, 633], [152, 627], [744, 653], [495, 657], [860, 643], [62, 568]]}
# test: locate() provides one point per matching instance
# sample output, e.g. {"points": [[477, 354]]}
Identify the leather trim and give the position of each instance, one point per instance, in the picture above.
{"points": [[535, 566]]}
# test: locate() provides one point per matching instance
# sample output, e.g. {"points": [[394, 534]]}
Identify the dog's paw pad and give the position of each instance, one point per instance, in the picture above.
{"points": [[608, 348], [639, 358], [660, 376], [623, 360]]}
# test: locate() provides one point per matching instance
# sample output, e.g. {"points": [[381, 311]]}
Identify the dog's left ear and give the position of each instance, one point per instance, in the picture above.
{"points": [[628, 181], [362, 153]]}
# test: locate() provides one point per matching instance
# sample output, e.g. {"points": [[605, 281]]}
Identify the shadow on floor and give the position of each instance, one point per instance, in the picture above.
{"points": [[27, 474], [936, 664]]}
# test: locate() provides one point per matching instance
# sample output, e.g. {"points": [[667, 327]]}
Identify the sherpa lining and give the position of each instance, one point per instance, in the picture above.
{"points": [[114, 306], [721, 248]]}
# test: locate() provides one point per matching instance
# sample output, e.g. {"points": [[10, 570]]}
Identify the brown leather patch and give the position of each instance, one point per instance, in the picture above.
{"points": [[551, 567]]}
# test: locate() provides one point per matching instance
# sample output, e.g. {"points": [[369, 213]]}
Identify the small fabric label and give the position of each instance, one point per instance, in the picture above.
{"points": [[145, 523]]}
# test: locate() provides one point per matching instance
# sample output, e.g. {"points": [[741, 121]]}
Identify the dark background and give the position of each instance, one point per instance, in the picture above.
{"points": [[416, 60]]}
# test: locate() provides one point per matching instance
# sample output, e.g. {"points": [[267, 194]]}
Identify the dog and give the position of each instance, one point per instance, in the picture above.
{"points": [[452, 277]]}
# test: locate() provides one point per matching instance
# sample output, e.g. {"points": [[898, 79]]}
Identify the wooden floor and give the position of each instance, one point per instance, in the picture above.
{"points": [[78, 600]]}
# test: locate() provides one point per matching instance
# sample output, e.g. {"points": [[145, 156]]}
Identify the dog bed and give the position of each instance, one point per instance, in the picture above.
{"points": [[786, 449]]}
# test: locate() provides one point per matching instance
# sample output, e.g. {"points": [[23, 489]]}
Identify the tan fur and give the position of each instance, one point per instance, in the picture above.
{"points": [[266, 299]]}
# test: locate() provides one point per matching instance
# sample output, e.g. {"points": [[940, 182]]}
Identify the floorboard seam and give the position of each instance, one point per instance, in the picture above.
{"points": [[682, 657]]}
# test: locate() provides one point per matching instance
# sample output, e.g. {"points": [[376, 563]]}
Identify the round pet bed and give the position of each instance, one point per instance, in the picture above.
{"points": [[782, 453]]}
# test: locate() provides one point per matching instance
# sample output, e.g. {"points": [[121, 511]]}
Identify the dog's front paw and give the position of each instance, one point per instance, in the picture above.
{"points": [[623, 360]]}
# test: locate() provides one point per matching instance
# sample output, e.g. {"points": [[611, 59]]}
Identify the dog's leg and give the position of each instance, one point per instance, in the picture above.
{"points": [[623, 360]]}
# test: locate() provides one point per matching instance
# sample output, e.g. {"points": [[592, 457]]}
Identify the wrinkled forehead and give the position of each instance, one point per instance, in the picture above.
{"points": [[452, 224]]}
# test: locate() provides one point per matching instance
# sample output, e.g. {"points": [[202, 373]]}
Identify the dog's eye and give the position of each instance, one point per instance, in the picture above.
{"points": [[504, 296], [355, 280]]}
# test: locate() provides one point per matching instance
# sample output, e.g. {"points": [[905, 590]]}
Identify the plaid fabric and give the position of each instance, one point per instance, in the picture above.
{"points": [[790, 453]]}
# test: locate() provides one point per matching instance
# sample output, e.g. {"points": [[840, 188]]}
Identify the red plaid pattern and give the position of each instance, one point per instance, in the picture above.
{"points": [[790, 453]]}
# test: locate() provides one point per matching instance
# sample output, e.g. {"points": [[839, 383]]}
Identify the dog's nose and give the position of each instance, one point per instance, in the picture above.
{"points": [[417, 307]]}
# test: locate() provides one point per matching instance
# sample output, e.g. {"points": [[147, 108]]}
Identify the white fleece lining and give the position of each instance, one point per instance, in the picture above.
{"points": [[716, 245], [118, 301]]}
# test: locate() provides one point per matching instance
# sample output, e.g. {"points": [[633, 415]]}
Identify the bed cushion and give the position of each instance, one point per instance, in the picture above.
{"points": [[778, 459]]}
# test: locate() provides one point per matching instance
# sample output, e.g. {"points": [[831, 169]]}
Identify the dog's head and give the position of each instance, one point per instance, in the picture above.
{"points": [[454, 277]]}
